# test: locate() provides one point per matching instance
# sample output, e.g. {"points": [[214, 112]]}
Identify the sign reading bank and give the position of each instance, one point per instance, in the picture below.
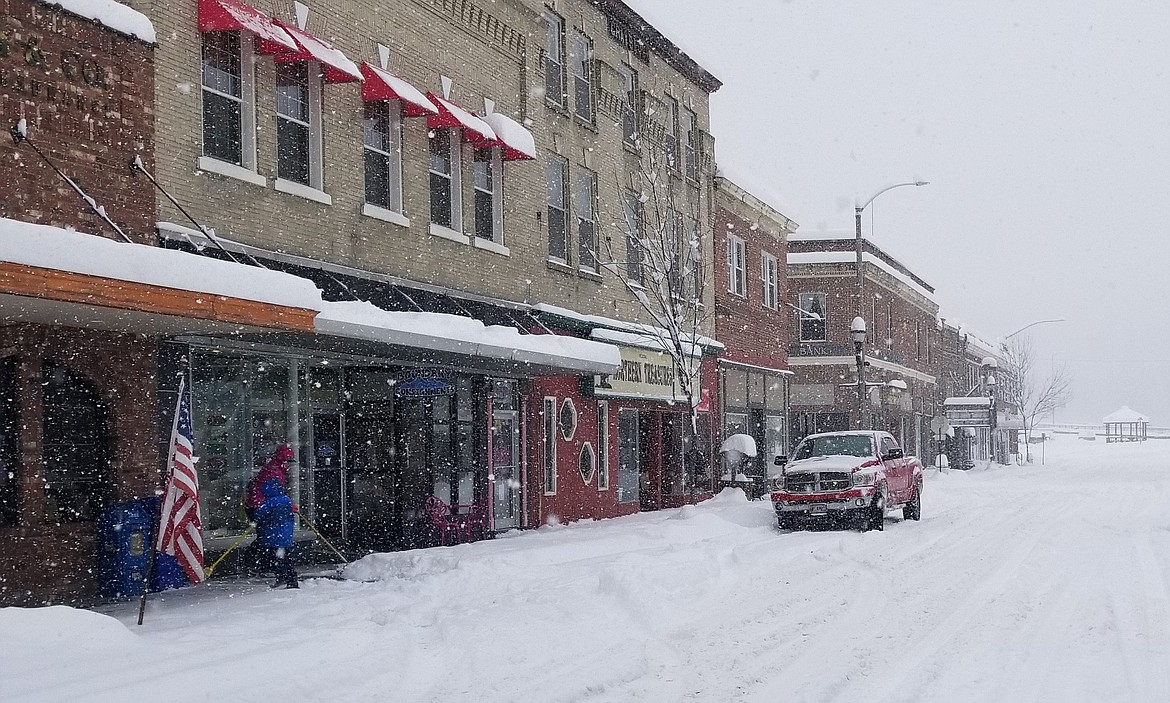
{"points": [[644, 375]]}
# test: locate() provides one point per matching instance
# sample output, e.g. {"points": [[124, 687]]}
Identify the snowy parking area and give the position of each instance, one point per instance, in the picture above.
{"points": [[1037, 583]]}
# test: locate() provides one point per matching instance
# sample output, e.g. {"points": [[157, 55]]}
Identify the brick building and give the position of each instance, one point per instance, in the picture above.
{"points": [[983, 416], [901, 350], [753, 320], [454, 161]]}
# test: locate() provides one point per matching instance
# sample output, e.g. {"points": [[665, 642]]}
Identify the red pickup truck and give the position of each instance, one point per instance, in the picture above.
{"points": [[853, 477]]}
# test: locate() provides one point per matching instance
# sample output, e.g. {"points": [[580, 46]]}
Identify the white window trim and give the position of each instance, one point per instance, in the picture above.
{"points": [[456, 159], [602, 460], [550, 411], [394, 156], [566, 196], [487, 245], [769, 276], [736, 270], [380, 213], [553, 21], [302, 191], [592, 219], [211, 164], [246, 170], [592, 462], [586, 67], [576, 419], [497, 194], [800, 316], [448, 233]]}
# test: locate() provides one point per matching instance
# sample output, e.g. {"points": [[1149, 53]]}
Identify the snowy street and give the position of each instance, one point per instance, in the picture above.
{"points": [[1040, 583]]}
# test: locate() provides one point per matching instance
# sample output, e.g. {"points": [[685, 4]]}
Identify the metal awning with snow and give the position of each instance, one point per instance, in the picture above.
{"points": [[475, 130], [49, 275], [336, 66], [233, 15], [380, 84], [514, 139], [447, 335]]}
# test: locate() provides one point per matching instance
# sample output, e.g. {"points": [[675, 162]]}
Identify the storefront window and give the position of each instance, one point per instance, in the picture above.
{"points": [[735, 388], [629, 466], [773, 439], [78, 485], [9, 443], [244, 408]]}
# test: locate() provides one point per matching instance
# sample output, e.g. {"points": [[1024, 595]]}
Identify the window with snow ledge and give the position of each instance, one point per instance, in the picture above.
{"points": [[814, 314], [383, 154], [736, 266], [446, 202], [587, 259], [670, 120], [554, 58], [558, 210], [629, 106], [486, 169], [298, 124], [581, 65], [633, 226], [690, 142], [228, 95]]}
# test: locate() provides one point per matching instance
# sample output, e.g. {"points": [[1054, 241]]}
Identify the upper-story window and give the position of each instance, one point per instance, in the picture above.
{"points": [[629, 105], [690, 141], [918, 340], [693, 256], [671, 125], [675, 259], [228, 89], [736, 267], [633, 227], [769, 275], [813, 317], [889, 325], [558, 209], [486, 170], [581, 65], [587, 219], [383, 154], [446, 203], [298, 123], [554, 58]]}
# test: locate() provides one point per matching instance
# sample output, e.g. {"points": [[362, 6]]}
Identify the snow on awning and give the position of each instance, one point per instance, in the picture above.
{"points": [[463, 335], [514, 138], [474, 129], [338, 68], [660, 342], [380, 84], [233, 15], [976, 401]]}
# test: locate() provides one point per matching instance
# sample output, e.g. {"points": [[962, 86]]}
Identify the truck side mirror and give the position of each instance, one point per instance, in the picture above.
{"points": [[781, 460]]}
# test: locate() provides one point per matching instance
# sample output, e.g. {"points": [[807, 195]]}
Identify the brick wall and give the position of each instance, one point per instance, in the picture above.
{"points": [[87, 95], [41, 560]]}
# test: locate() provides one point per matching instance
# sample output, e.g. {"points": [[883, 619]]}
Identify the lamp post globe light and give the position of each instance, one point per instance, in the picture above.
{"points": [[857, 331], [858, 209]]}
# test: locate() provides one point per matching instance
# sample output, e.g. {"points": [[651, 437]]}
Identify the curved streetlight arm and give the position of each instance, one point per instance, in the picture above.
{"points": [[896, 185], [1031, 324]]}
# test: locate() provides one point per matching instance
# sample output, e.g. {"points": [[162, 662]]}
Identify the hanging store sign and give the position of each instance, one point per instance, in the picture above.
{"points": [[644, 375]]}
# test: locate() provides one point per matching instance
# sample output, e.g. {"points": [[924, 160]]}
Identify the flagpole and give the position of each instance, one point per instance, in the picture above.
{"points": [[161, 495]]}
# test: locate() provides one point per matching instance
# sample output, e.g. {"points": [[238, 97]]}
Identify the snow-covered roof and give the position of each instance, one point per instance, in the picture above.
{"points": [[465, 335], [734, 175], [114, 15], [960, 401], [1124, 415], [646, 340], [49, 247], [848, 257]]}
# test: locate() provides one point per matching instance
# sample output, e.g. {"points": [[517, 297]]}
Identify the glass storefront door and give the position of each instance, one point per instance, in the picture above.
{"points": [[506, 468], [629, 456]]}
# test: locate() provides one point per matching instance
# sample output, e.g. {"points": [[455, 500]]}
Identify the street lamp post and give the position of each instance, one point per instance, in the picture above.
{"points": [[1031, 324], [857, 331], [857, 211]]}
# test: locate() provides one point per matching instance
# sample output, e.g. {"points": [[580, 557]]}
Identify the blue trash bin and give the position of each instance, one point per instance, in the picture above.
{"points": [[124, 538]]}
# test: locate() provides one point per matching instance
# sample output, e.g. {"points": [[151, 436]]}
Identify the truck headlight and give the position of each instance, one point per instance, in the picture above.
{"points": [[776, 483], [863, 479]]}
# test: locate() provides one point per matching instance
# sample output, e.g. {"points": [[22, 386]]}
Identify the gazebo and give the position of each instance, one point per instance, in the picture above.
{"points": [[1126, 425]]}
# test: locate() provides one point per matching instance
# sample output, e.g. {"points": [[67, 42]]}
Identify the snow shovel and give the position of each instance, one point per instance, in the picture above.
{"points": [[344, 560], [251, 526]]}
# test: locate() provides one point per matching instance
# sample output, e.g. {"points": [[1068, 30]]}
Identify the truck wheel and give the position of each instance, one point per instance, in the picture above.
{"points": [[876, 514], [784, 522], [913, 509]]}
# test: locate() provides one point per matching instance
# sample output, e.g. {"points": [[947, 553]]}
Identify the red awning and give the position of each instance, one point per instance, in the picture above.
{"points": [[232, 15], [515, 140], [380, 84], [474, 129], [338, 68]]}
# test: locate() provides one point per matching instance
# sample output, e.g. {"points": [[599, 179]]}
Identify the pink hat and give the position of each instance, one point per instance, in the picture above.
{"points": [[284, 453]]}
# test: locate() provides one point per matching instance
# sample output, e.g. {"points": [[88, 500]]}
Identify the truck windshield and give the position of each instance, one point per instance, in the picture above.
{"points": [[840, 445]]}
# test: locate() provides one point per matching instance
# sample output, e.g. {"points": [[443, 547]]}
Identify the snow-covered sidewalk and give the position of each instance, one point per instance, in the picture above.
{"points": [[1019, 584]]}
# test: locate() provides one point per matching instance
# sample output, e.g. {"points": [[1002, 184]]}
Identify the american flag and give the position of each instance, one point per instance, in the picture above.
{"points": [[181, 528]]}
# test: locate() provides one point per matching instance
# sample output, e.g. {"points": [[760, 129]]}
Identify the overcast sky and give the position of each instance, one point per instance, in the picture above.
{"points": [[1043, 127]]}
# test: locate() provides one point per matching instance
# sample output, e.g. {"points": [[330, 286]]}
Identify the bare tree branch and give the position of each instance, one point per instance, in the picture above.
{"points": [[1035, 396]]}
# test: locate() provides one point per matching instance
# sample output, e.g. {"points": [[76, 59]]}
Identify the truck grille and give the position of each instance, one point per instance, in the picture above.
{"points": [[813, 482]]}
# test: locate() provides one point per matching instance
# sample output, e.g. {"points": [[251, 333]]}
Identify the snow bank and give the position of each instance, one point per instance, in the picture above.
{"points": [[114, 15], [50, 247]]}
